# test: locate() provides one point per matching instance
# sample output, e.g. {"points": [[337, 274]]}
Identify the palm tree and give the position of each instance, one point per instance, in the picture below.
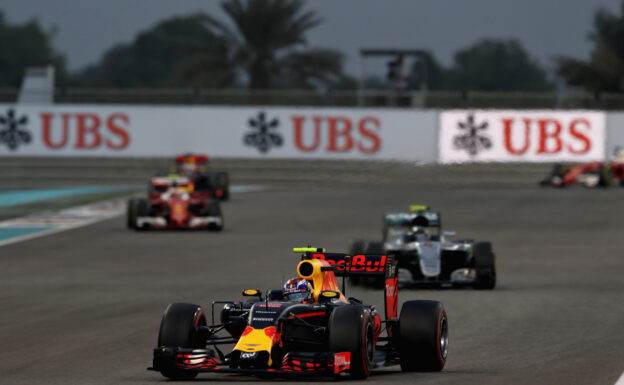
{"points": [[605, 69], [268, 45]]}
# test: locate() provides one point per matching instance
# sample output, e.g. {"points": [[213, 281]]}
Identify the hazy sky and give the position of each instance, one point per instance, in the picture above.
{"points": [[86, 28]]}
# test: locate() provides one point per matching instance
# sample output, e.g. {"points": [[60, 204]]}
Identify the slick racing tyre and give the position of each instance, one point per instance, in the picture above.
{"points": [[606, 176], [375, 248], [223, 182], [178, 328], [358, 247], [142, 210], [351, 330], [485, 266], [423, 336], [131, 213], [213, 209]]}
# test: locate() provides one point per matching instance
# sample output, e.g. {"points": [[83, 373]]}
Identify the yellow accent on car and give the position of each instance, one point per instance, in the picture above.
{"points": [[251, 292], [329, 294], [254, 341], [309, 250], [310, 269], [419, 207]]}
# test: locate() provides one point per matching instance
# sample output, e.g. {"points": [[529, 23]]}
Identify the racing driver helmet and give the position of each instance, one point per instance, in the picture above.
{"points": [[297, 289]]}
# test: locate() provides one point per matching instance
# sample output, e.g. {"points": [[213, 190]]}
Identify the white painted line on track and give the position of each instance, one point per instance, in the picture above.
{"points": [[620, 381], [47, 223], [51, 222]]}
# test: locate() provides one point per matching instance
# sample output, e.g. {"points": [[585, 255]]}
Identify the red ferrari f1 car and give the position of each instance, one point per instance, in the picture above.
{"points": [[175, 203], [593, 174], [308, 327]]}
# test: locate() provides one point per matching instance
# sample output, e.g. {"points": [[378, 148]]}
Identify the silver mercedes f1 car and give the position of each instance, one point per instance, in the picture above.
{"points": [[426, 256]]}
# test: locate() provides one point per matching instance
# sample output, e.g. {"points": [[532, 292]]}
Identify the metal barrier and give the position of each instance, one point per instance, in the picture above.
{"points": [[338, 98]]}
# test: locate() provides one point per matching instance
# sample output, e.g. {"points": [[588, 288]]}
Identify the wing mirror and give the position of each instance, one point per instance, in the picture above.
{"points": [[252, 293], [329, 295]]}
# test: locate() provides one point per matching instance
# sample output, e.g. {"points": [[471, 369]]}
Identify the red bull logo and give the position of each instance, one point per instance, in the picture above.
{"points": [[358, 263]]}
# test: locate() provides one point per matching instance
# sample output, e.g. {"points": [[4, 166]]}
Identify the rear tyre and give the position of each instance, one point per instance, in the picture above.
{"points": [[358, 247], [178, 328], [375, 248], [223, 182], [485, 266], [351, 330], [423, 336], [605, 177]]}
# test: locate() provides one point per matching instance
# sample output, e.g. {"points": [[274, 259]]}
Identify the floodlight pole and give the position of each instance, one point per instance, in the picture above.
{"points": [[421, 54]]}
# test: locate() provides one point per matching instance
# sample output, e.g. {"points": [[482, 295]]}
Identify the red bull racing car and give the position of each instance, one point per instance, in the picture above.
{"points": [[195, 167], [308, 327], [174, 202]]}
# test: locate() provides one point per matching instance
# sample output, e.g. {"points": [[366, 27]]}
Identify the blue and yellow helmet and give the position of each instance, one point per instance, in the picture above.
{"points": [[297, 289]]}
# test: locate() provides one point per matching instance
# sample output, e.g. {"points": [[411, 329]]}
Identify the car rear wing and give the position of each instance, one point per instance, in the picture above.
{"points": [[191, 158], [417, 218], [344, 265], [357, 265]]}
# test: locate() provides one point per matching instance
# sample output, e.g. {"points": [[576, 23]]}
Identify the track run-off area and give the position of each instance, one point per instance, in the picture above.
{"points": [[83, 306]]}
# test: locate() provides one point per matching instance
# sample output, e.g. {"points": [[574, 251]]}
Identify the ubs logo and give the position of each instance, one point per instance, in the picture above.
{"points": [[472, 137], [264, 134], [13, 130]]}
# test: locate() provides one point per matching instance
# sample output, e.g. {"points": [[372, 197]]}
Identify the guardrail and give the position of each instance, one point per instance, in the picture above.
{"points": [[339, 98]]}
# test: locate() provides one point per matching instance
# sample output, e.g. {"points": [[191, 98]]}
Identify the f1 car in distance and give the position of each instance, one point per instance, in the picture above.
{"points": [[593, 174], [173, 203], [308, 327], [195, 167], [426, 256]]}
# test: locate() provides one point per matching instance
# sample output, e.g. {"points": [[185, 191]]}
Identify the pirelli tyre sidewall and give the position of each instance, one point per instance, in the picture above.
{"points": [[178, 328], [351, 330], [422, 338]]}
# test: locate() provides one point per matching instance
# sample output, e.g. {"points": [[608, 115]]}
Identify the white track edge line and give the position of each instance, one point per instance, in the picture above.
{"points": [[54, 230], [620, 380]]}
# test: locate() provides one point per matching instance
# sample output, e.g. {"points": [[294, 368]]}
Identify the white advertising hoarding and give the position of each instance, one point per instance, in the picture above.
{"points": [[247, 132], [521, 136]]}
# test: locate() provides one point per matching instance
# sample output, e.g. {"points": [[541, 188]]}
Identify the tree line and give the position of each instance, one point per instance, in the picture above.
{"points": [[266, 47]]}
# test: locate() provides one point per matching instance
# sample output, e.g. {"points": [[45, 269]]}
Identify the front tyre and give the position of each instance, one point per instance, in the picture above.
{"points": [[142, 209], [423, 336], [351, 330], [131, 213], [213, 209], [178, 328]]}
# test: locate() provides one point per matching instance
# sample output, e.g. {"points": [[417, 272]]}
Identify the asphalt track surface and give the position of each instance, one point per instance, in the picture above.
{"points": [[83, 306]]}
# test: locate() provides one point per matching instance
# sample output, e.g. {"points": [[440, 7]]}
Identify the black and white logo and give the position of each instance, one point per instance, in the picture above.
{"points": [[13, 130], [472, 137], [264, 134], [248, 356]]}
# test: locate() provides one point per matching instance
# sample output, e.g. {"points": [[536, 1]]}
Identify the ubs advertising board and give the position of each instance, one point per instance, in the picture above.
{"points": [[246, 132], [521, 136]]}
